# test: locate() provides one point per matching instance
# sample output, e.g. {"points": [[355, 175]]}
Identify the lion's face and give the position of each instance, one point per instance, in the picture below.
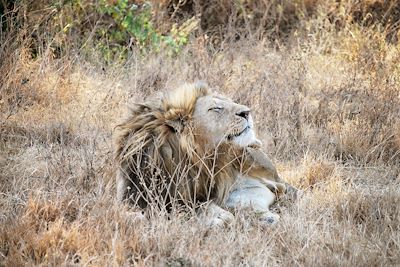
{"points": [[221, 120]]}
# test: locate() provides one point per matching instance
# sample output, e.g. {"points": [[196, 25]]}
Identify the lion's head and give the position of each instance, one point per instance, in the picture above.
{"points": [[221, 120], [214, 118], [183, 141]]}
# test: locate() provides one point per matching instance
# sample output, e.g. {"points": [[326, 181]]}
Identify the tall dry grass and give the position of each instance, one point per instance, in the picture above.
{"points": [[326, 101]]}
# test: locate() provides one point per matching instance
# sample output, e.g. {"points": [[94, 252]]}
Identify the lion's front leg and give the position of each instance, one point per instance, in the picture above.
{"points": [[252, 194], [214, 216], [122, 186]]}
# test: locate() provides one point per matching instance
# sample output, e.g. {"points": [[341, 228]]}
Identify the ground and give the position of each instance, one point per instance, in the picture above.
{"points": [[326, 112]]}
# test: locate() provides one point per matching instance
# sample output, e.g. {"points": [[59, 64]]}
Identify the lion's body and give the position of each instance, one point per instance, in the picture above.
{"points": [[178, 149]]}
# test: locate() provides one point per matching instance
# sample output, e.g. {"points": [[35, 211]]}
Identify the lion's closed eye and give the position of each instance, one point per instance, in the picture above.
{"points": [[216, 109]]}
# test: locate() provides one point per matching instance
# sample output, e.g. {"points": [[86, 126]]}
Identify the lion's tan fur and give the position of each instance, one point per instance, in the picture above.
{"points": [[160, 157]]}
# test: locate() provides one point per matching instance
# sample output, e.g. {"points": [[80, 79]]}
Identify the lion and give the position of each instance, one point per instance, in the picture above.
{"points": [[194, 147]]}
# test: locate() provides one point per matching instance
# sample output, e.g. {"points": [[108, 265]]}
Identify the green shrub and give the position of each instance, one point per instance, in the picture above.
{"points": [[133, 26]]}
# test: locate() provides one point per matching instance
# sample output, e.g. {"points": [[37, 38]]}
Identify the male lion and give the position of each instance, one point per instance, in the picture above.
{"points": [[194, 146]]}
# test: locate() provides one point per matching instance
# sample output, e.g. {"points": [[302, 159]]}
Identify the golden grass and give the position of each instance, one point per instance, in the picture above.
{"points": [[327, 111]]}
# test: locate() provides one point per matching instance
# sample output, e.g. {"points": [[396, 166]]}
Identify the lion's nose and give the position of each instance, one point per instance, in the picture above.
{"points": [[244, 113]]}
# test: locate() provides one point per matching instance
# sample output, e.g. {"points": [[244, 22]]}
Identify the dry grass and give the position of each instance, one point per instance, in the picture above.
{"points": [[327, 109]]}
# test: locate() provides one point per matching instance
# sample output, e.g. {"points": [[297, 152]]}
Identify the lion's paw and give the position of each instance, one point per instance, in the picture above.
{"points": [[292, 193], [269, 218], [215, 216], [277, 188]]}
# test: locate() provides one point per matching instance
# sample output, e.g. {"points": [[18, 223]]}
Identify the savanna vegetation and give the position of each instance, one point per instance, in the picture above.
{"points": [[322, 78]]}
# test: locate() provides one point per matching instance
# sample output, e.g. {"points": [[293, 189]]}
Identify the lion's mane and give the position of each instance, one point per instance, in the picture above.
{"points": [[163, 160]]}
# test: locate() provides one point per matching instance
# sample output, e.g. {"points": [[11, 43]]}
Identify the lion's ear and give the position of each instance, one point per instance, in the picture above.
{"points": [[176, 125], [176, 119]]}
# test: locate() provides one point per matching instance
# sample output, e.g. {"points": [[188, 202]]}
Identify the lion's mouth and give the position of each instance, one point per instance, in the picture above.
{"points": [[233, 135]]}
